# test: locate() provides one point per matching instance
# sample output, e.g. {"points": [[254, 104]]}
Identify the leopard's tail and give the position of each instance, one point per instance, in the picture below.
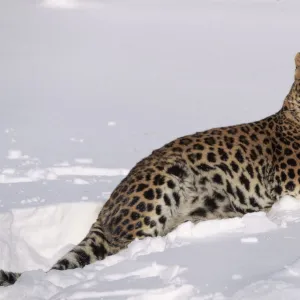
{"points": [[8, 278], [95, 246]]}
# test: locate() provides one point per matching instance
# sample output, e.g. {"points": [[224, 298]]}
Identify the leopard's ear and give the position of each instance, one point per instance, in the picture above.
{"points": [[291, 106], [297, 62]]}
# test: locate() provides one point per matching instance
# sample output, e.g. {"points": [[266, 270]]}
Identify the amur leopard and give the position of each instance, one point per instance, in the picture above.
{"points": [[219, 173]]}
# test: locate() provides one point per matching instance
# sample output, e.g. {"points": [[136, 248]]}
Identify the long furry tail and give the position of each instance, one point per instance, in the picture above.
{"points": [[95, 246], [8, 278]]}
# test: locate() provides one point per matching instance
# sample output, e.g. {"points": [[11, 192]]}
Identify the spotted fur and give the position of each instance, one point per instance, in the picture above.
{"points": [[219, 173]]}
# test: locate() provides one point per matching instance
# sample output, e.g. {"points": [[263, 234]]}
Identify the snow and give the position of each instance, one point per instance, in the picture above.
{"points": [[12, 176], [16, 154], [70, 4], [83, 161], [87, 89], [249, 240], [215, 259]]}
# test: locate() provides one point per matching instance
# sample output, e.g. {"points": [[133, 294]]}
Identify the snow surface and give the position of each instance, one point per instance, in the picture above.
{"points": [[254, 257], [87, 89]]}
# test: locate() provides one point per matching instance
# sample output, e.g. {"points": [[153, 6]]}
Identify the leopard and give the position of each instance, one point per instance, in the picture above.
{"points": [[214, 174]]}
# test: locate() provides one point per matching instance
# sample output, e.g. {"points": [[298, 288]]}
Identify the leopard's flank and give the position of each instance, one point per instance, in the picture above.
{"points": [[219, 173]]}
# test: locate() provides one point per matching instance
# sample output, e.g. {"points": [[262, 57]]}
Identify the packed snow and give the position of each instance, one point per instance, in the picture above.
{"points": [[88, 88], [253, 257]]}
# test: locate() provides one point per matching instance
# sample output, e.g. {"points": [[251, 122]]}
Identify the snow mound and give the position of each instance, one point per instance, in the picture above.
{"points": [[182, 265]]}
